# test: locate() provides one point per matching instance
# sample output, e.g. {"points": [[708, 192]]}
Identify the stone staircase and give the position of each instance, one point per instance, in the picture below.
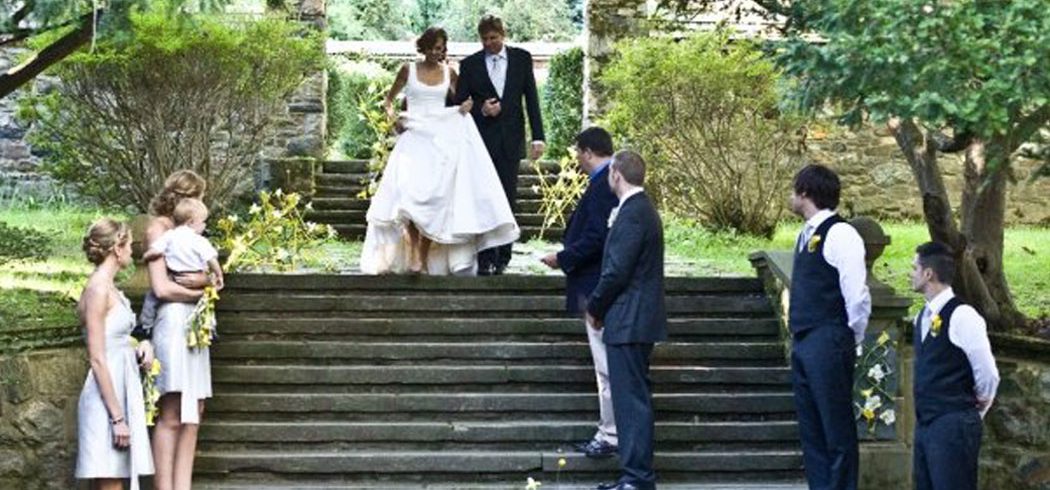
{"points": [[339, 182], [439, 382]]}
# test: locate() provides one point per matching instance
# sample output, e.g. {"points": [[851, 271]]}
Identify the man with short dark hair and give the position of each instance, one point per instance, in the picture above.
{"points": [[828, 313], [955, 377], [628, 304], [497, 78], [581, 260]]}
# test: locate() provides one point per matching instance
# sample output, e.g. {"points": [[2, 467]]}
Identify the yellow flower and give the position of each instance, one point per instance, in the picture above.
{"points": [[191, 339], [562, 462], [867, 393], [935, 325], [868, 414], [885, 337], [813, 242], [154, 369], [211, 293]]}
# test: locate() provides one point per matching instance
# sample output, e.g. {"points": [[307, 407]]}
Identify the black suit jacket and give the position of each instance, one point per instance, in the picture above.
{"points": [[504, 135], [584, 239], [629, 297]]}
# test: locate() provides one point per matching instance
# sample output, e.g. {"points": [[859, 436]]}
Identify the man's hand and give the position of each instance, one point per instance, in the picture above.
{"points": [[491, 107], [537, 149], [593, 322], [551, 260]]}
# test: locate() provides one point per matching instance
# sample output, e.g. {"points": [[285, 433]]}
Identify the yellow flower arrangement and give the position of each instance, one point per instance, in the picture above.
{"points": [[935, 325], [202, 320], [813, 242], [150, 393]]}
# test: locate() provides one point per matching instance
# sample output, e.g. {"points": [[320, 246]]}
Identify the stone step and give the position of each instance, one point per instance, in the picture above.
{"points": [[342, 179], [239, 482], [358, 216], [433, 405], [327, 326], [554, 285], [444, 375], [450, 304], [476, 462], [361, 166], [479, 351], [552, 432], [528, 206], [357, 232], [352, 189]]}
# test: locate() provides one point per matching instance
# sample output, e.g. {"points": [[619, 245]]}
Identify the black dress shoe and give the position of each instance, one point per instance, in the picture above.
{"points": [[486, 270], [599, 449], [607, 486], [620, 486]]}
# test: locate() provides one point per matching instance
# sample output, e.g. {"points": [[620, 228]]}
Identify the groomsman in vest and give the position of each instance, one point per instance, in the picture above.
{"points": [[628, 303], [955, 377], [829, 310], [581, 260], [498, 78]]}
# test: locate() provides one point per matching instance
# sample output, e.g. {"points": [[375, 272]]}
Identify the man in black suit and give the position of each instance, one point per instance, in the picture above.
{"points": [[581, 260], [497, 78], [629, 304]]}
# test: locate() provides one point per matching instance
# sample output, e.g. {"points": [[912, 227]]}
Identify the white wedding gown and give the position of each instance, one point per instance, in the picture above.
{"points": [[440, 177]]}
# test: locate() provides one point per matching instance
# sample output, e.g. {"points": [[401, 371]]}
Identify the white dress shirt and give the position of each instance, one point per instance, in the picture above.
{"points": [[844, 250], [497, 67], [968, 332], [616, 211], [184, 250]]}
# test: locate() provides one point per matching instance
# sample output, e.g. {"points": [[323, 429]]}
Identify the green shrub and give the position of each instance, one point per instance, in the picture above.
{"points": [[563, 102], [22, 244], [203, 93], [704, 112], [356, 89]]}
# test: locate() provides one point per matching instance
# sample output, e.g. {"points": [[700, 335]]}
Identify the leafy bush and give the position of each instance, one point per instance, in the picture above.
{"points": [[704, 113], [563, 102], [203, 93], [355, 94], [22, 244]]}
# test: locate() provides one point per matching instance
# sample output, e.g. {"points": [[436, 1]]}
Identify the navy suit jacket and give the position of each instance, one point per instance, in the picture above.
{"points": [[504, 135], [584, 239], [629, 298]]}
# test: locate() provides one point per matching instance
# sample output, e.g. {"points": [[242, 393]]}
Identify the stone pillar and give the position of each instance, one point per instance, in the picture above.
{"points": [[605, 23], [300, 136]]}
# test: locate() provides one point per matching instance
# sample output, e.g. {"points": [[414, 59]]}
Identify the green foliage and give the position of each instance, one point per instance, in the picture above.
{"points": [[190, 92], [22, 244], [36, 319], [875, 384], [273, 237], [355, 101], [704, 112], [352, 20], [563, 102], [976, 67], [526, 20]]}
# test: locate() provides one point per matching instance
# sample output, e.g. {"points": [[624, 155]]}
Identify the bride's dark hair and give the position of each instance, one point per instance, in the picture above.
{"points": [[429, 38]]}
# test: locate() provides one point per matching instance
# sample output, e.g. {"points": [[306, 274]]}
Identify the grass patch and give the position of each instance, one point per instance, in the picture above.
{"points": [[34, 319]]}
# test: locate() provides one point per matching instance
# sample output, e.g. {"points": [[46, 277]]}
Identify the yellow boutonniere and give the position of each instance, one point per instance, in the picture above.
{"points": [[813, 242], [935, 325]]}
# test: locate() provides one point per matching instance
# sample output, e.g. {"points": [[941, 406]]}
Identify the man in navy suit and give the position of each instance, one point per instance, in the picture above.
{"points": [[628, 303], [581, 260], [497, 78]]}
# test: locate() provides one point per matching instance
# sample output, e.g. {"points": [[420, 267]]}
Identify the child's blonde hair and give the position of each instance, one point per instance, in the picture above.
{"points": [[189, 208]]}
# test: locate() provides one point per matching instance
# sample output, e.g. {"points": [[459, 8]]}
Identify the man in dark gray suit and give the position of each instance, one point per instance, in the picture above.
{"points": [[629, 304]]}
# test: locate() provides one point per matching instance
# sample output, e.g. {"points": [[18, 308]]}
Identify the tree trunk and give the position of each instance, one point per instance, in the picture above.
{"points": [[983, 214], [978, 246], [53, 53]]}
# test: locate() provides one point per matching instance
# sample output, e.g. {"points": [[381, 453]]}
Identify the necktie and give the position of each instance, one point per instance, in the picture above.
{"points": [[497, 74], [803, 241]]}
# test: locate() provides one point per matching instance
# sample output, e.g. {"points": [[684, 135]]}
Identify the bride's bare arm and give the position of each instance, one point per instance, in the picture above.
{"points": [[395, 89], [468, 103]]}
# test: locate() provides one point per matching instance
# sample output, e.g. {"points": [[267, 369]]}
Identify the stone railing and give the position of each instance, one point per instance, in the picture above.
{"points": [[885, 458]]}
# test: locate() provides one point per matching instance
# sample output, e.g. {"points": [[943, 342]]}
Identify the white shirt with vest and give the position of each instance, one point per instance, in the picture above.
{"points": [[970, 333], [844, 250]]}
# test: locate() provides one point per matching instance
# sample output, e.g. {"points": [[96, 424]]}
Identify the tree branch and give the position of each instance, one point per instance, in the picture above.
{"points": [[1028, 126], [53, 53], [958, 142]]}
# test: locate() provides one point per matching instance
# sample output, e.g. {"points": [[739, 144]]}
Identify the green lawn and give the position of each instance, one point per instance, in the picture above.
{"points": [[39, 293]]}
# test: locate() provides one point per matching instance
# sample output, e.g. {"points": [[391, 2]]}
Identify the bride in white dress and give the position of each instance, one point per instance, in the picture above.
{"points": [[439, 201]]}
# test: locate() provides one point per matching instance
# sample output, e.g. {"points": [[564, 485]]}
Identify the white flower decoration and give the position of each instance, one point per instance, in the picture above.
{"points": [[888, 417], [873, 403], [255, 209], [532, 484], [232, 218], [860, 350], [876, 373]]}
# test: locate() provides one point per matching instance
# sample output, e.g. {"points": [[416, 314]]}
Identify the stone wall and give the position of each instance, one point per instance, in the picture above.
{"points": [[38, 406], [878, 182], [19, 165]]}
